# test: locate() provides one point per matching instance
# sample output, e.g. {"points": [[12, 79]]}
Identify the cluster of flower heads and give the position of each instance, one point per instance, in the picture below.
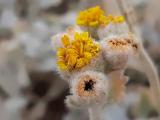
{"points": [[95, 17], [94, 66]]}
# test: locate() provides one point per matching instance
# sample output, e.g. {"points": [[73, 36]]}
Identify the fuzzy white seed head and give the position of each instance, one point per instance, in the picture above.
{"points": [[117, 51], [90, 87]]}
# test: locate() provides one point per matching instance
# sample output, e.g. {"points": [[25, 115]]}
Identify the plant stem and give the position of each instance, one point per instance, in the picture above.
{"points": [[95, 112], [152, 74]]}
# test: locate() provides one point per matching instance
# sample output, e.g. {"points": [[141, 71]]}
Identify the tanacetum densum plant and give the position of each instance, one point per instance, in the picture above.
{"points": [[94, 66]]}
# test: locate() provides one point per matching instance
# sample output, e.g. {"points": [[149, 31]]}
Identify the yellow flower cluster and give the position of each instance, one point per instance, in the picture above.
{"points": [[95, 17], [76, 53], [92, 17]]}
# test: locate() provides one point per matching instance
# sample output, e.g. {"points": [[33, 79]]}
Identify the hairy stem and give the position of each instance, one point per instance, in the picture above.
{"points": [[151, 72], [95, 112]]}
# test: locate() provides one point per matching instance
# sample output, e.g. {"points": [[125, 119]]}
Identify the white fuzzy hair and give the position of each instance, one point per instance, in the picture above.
{"points": [[112, 29]]}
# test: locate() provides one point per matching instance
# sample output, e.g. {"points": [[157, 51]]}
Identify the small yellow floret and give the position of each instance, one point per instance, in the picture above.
{"points": [[65, 40], [78, 52]]}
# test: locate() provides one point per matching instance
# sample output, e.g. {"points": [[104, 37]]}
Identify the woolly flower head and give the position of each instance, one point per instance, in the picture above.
{"points": [[90, 85], [95, 17], [77, 51], [117, 50]]}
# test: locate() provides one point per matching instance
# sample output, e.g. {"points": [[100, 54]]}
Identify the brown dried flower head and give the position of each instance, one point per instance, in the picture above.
{"points": [[118, 50]]}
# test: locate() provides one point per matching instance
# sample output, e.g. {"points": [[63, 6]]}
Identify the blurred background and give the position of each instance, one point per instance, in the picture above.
{"points": [[31, 89]]}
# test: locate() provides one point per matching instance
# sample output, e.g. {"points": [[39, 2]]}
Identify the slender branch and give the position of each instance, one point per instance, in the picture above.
{"points": [[152, 74]]}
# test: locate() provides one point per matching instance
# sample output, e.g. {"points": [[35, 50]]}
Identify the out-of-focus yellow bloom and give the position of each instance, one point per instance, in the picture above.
{"points": [[76, 53], [95, 17], [92, 17]]}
